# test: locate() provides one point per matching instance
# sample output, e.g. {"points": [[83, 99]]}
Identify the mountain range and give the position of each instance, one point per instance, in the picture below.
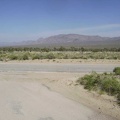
{"points": [[70, 40]]}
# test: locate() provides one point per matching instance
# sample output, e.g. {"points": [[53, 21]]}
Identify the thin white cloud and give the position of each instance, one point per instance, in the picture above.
{"points": [[110, 30]]}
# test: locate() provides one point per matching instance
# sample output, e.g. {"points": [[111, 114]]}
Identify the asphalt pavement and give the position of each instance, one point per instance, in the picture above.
{"points": [[37, 67]]}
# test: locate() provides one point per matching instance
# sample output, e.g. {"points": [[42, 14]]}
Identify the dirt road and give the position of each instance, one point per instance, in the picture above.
{"points": [[24, 97], [57, 67]]}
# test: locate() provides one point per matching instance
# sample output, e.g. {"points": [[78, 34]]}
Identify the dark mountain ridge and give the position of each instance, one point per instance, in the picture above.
{"points": [[75, 40]]}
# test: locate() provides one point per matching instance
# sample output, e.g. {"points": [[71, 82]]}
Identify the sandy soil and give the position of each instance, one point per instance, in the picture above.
{"points": [[72, 61], [51, 96]]}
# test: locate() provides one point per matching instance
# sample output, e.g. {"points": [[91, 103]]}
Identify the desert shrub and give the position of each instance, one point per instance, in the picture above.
{"points": [[41, 56], [115, 57], [13, 57], [103, 82], [50, 56], [118, 98], [36, 56], [74, 57], [60, 55], [1, 59], [24, 56], [111, 86], [117, 70], [66, 57]]}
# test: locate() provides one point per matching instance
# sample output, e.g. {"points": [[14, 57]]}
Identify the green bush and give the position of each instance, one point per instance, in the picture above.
{"points": [[111, 86], [117, 70], [102, 83], [1, 59], [36, 56], [13, 57], [24, 54], [118, 98], [50, 56], [25, 57]]}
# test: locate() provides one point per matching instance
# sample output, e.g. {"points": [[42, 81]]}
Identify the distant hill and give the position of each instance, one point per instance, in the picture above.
{"points": [[75, 40], [2, 44]]}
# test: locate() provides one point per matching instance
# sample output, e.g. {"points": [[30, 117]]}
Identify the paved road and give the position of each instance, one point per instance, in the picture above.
{"points": [[21, 67], [22, 98]]}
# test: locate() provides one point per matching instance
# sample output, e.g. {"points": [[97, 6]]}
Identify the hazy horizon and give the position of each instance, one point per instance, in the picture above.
{"points": [[23, 20]]}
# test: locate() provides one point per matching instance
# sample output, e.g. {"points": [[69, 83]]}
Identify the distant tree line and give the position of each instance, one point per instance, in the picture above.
{"points": [[38, 49]]}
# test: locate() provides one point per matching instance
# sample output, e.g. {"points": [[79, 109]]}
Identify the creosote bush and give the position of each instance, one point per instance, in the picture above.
{"points": [[36, 56], [118, 98], [58, 55], [102, 83], [117, 70], [50, 56], [13, 57]]}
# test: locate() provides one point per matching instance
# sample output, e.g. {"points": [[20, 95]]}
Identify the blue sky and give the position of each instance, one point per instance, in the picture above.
{"points": [[30, 19]]}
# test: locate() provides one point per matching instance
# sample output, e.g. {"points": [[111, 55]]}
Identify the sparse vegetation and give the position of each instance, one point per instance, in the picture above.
{"points": [[102, 83], [118, 98], [117, 70], [57, 53], [36, 49]]}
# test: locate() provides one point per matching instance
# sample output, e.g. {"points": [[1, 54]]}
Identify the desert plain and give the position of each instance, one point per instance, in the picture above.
{"points": [[38, 90]]}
